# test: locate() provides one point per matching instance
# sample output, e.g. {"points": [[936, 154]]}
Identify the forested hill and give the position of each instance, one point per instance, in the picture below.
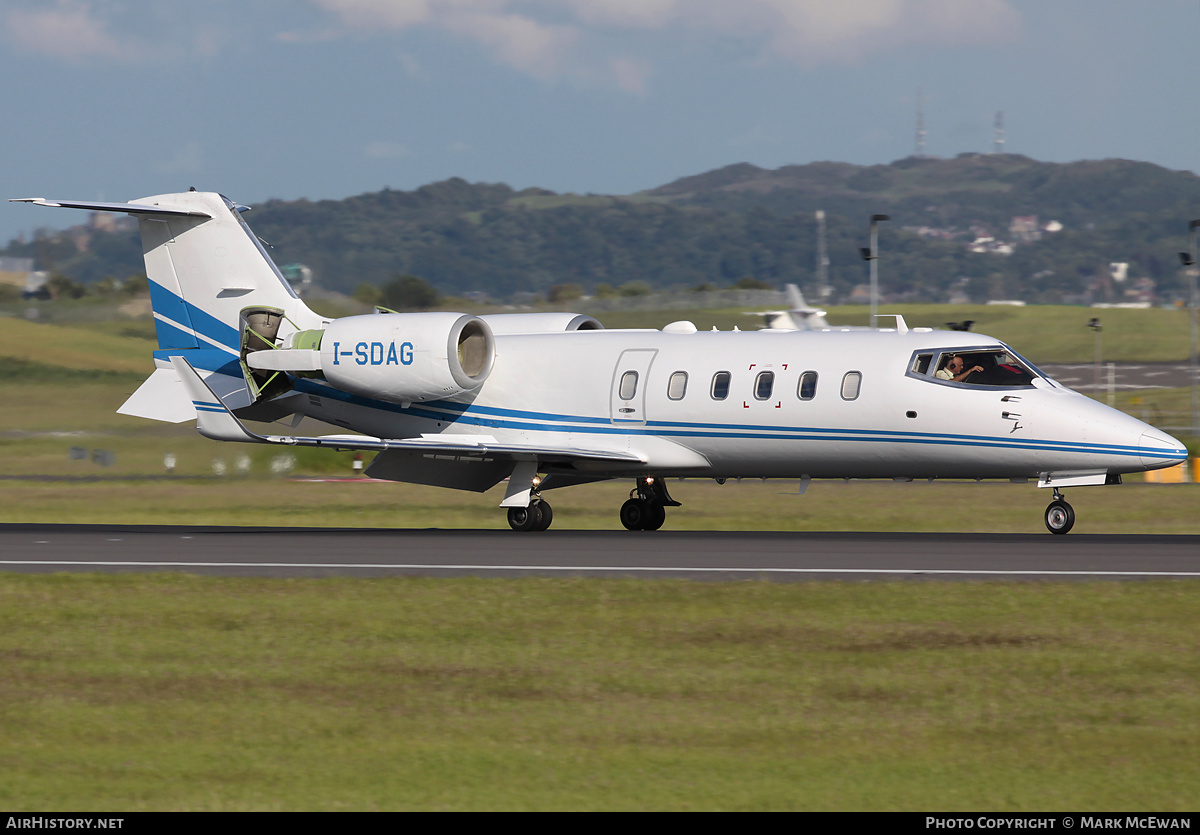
{"points": [[924, 191], [737, 222]]}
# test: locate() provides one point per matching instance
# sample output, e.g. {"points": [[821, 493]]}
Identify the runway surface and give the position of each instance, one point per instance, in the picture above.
{"points": [[1126, 376], [711, 555]]}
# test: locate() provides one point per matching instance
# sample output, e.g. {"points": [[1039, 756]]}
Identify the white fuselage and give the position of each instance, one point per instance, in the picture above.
{"points": [[565, 389]]}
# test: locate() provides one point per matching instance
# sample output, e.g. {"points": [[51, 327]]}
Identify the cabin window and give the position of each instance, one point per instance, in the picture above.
{"points": [[720, 385], [763, 383], [851, 384], [628, 385], [677, 385], [807, 389]]}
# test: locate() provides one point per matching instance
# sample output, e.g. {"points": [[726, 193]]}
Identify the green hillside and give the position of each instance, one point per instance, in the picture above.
{"points": [[737, 222]]}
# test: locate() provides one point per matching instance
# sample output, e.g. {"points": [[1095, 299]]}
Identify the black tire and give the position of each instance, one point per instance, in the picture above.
{"points": [[1060, 517], [633, 514], [656, 514], [545, 516], [524, 518]]}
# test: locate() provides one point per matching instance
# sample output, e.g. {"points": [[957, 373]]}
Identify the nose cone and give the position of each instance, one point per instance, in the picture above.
{"points": [[1158, 450]]}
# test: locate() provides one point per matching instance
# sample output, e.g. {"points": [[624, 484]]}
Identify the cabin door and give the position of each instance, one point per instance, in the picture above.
{"points": [[628, 398]]}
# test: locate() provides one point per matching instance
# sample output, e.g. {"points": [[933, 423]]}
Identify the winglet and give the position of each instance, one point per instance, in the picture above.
{"points": [[213, 418]]}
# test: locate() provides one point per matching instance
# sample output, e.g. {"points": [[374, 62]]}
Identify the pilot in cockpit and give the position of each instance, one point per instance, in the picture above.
{"points": [[955, 369]]}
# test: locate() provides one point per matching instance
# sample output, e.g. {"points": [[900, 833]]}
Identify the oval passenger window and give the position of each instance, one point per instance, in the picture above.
{"points": [[763, 385], [628, 385], [720, 385], [807, 389], [677, 385], [851, 383]]}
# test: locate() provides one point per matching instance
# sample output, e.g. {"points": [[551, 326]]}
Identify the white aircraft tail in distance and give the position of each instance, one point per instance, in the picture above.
{"points": [[799, 316], [551, 400]]}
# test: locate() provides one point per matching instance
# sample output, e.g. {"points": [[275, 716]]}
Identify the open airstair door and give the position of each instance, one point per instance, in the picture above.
{"points": [[259, 326]]}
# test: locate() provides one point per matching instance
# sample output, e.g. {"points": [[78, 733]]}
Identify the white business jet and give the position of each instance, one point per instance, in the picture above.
{"points": [[552, 400]]}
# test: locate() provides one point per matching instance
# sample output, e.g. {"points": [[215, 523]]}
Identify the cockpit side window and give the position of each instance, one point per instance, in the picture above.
{"points": [[990, 366]]}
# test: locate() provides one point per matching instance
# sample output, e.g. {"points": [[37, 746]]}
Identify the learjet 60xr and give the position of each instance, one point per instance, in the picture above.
{"points": [[549, 400]]}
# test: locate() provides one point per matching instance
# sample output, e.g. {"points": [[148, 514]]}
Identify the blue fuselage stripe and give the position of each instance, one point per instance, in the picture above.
{"points": [[494, 418]]}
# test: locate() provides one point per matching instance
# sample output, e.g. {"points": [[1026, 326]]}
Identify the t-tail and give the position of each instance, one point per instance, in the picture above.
{"points": [[216, 295]]}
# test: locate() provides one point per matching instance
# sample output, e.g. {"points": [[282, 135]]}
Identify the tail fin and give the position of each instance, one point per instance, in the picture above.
{"points": [[209, 276], [205, 268]]}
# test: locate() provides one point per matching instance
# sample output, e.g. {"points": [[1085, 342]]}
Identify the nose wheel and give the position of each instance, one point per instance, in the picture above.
{"points": [[1060, 517]]}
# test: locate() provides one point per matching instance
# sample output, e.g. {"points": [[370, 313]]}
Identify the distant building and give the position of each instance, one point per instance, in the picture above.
{"points": [[1025, 229]]}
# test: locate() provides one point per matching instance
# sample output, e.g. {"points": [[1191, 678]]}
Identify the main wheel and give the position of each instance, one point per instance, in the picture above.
{"points": [[634, 513], [545, 516], [656, 514], [524, 518], [642, 515], [1060, 517]]}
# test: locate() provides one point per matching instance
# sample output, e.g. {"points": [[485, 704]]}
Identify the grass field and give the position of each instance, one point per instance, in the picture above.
{"points": [[1041, 333], [170, 692], [173, 692]]}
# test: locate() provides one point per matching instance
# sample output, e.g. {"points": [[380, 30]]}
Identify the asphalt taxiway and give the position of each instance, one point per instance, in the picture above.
{"points": [[708, 555]]}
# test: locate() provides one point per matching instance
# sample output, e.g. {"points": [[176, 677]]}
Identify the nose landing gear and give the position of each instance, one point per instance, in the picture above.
{"points": [[1060, 516]]}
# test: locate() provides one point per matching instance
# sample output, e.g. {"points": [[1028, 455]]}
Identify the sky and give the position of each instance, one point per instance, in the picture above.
{"points": [[324, 99]]}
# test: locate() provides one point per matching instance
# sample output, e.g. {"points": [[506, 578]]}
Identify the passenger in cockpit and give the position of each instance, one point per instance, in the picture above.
{"points": [[955, 370]]}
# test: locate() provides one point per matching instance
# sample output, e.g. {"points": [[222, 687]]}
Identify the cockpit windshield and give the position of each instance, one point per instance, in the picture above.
{"points": [[987, 366]]}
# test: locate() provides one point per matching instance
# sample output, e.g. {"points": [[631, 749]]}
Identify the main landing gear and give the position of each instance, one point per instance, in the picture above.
{"points": [[646, 508], [1060, 516], [536, 517]]}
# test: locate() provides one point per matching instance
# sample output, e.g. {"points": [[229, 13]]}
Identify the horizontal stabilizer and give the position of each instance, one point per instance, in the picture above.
{"points": [[128, 208], [161, 397]]}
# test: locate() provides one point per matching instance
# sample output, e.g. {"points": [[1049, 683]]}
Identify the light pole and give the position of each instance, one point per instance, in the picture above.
{"points": [[1189, 261], [871, 256], [1094, 324]]}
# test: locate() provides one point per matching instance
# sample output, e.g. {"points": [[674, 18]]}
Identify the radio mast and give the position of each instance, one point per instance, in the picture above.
{"points": [[920, 151]]}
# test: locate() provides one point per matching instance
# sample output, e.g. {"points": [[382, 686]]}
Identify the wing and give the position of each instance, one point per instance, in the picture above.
{"points": [[214, 420]]}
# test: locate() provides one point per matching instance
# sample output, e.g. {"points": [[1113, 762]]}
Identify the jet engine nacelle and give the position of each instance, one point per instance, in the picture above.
{"points": [[406, 357], [512, 323]]}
